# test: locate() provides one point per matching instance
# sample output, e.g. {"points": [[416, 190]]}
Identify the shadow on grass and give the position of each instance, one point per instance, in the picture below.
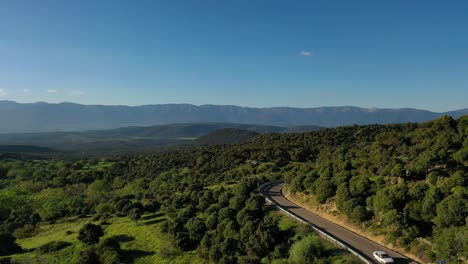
{"points": [[130, 255], [155, 221], [124, 238], [148, 217]]}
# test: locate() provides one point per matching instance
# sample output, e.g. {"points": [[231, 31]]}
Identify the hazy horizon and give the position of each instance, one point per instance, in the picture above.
{"points": [[241, 106]]}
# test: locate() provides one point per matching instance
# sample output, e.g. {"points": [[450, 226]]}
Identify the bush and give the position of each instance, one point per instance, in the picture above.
{"points": [[303, 230], [343, 260], [280, 261], [90, 234], [8, 244], [135, 214], [109, 257], [53, 246], [5, 260], [307, 250], [111, 243], [34, 218], [109, 251], [85, 255], [104, 208], [24, 231]]}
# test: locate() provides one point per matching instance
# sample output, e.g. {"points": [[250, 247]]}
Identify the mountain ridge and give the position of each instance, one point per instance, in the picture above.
{"points": [[44, 117]]}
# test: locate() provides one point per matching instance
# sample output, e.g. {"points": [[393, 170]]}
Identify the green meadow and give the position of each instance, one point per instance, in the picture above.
{"points": [[142, 242]]}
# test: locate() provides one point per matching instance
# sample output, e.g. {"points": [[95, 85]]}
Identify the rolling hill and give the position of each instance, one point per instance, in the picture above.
{"points": [[225, 136], [131, 138]]}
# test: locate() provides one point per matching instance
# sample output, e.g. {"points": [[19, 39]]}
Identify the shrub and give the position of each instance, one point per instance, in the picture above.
{"points": [[24, 231], [303, 230], [104, 208], [5, 260], [53, 246], [90, 234], [8, 244], [109, 251], [85, 255], [111, 243], [34, 218], [307, 250], [109, 257], [135, 214]]}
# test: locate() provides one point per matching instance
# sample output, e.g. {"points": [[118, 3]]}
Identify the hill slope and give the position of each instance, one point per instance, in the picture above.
{"points": [[405, 182], [141, 137], [225, 136]]}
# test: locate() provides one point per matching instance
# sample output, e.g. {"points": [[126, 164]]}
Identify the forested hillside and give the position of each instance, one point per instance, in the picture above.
{"points": [[135, 139], [225, 136], [408, 183], [405, 181]]}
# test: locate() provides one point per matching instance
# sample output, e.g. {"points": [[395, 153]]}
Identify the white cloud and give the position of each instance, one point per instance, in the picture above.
{"points": [[77, 93], [26, 90], [3, 92], [306, 53], [52, 91]]}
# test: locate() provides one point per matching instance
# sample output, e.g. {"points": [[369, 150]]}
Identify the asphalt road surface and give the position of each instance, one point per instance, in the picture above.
{"points": [[358, 243]]}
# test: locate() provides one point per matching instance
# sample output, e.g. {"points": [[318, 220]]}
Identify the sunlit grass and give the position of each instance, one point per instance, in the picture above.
{"points": [[142, 241], [99, 166]]}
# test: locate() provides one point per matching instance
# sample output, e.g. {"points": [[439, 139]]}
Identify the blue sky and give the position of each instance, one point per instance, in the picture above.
{"points": [[250, 53]]}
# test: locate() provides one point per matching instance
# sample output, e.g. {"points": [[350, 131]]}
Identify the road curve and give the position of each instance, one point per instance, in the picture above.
{"points": [[362, 245]]}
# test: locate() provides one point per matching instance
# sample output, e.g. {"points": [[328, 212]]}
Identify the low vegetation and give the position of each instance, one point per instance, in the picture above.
{"points": [[200, 205]]}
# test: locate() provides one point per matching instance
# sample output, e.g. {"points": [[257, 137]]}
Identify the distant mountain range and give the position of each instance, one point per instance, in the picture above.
{"points": [[44, 117]]}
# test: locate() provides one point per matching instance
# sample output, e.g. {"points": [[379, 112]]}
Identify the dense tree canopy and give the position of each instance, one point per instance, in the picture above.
{"points": [[404, 181]]}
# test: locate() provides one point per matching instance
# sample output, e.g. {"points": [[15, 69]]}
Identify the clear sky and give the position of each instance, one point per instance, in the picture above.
{"points": [[244, 52]]}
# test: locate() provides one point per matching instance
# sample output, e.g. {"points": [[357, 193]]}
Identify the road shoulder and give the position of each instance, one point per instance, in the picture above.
{"points": [[338, 220]]}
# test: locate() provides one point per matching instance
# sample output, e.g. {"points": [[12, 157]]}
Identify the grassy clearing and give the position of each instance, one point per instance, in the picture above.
{"points": [[225, 185], [103, 164], [63, 231], [142, 242], [55, 232]]}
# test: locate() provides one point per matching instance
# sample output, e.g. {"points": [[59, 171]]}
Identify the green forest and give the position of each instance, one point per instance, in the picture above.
{"points": [[201, 204]]}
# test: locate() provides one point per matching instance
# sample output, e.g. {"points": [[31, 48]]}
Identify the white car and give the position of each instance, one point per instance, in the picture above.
{"points": [[382, 257]]}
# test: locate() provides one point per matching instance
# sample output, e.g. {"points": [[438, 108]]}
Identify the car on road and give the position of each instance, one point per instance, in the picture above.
{"points": [[382, 257]]}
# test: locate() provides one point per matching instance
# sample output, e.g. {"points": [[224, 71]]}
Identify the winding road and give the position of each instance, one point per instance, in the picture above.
{"points": [[360, 244]]}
